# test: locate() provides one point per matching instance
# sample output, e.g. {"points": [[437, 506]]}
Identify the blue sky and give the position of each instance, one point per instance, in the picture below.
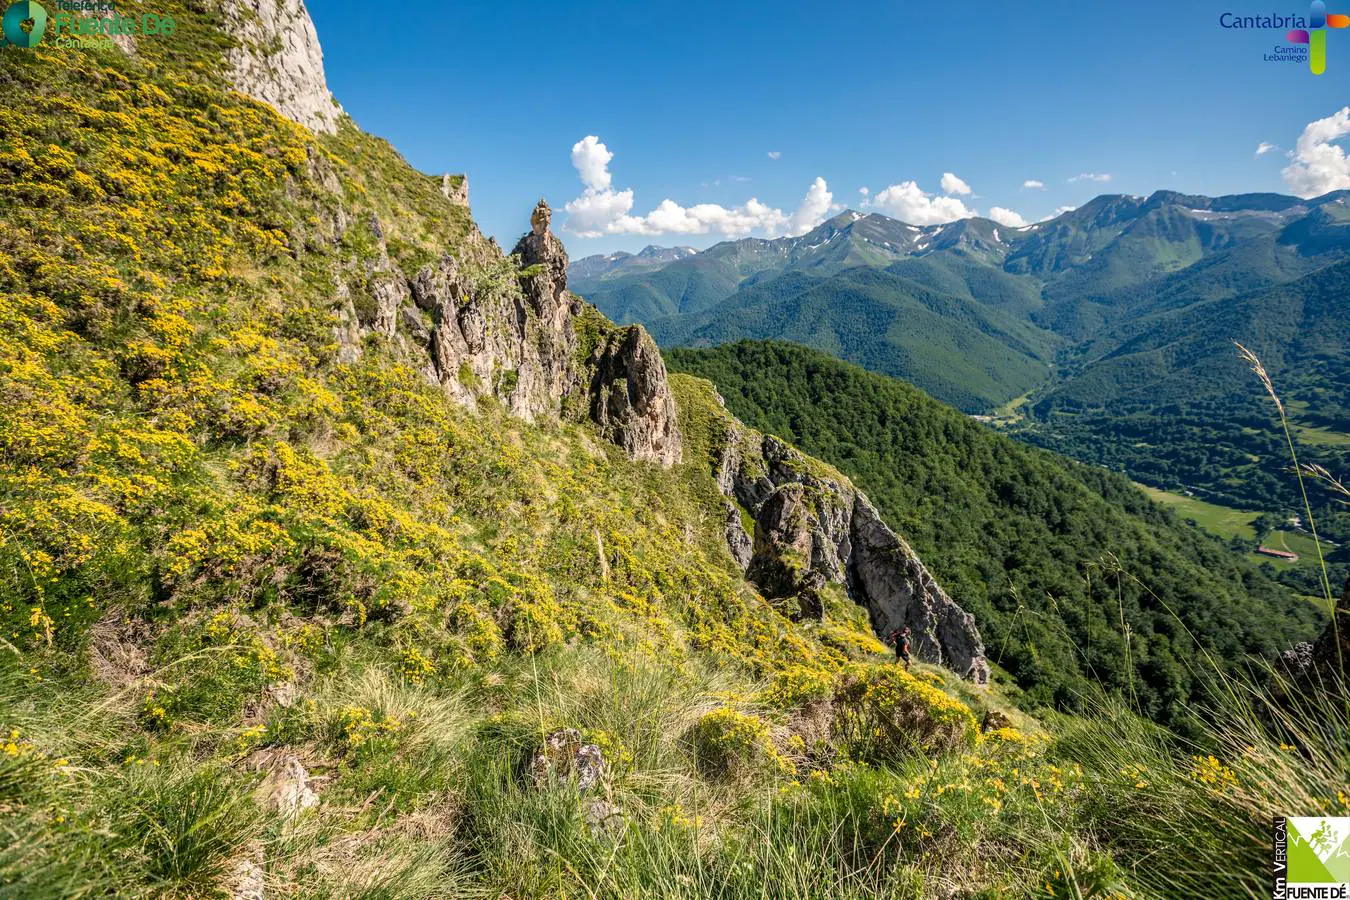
{"points": [[690, 98]]}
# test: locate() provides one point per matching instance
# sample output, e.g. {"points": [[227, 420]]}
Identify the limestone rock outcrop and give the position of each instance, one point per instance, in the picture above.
{"points": [[630, 397], [813, 527], [1319, 664], [455, 188], [474, 321], [278, 61], [480, 324]]}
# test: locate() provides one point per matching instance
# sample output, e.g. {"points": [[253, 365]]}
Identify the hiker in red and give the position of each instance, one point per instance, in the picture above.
{"points": [[901, 639]]}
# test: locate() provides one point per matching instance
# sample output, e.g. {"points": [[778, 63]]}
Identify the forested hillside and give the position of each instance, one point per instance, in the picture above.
{"points": [[970, 354], [1057, 559], [1172, 402]]}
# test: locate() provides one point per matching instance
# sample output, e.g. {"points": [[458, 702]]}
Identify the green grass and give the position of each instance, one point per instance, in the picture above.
{"points": [[1294, 542], [1221, 520], [1321, 437], [1227, 522]]}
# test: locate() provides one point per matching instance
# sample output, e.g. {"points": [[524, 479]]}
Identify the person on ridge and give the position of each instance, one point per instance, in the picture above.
{"points": [[901, 639]]}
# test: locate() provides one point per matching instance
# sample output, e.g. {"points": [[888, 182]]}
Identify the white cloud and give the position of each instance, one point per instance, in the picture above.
{"points": [[911, 204], [1059, 211], [1007, 217], [1033, 184], [953, 185], [1319, 165], [591, 159], [602, 210], [814, 208], [1091, 176], [774, 154], [864, 191], [1264, 147]]}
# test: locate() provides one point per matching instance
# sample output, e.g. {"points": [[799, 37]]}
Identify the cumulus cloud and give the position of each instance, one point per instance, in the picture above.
{"points": [[1007, 217], [1319, 165], [953, 185], [864, 191], [1264, 147], [1091, 176], [774, 154], [591, 160], [601, 210], [1058, 212], [1033, 184], [814, 208], [909, 203]]}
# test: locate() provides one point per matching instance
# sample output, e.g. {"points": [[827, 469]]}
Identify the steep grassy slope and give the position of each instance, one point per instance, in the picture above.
{"points": [[1052, 556], [235, 568]]}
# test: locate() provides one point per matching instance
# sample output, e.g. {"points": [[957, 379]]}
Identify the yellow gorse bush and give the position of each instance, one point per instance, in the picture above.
{"points": [[730, 742]]}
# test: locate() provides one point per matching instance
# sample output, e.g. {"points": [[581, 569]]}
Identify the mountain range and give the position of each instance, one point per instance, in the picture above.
{"points": [[1022, 306], [1106, 333], [613, 265]]}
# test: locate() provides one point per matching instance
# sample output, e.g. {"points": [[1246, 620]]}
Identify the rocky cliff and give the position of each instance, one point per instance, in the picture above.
{"points": [[482, 324], [278, 61], [813, 527]]}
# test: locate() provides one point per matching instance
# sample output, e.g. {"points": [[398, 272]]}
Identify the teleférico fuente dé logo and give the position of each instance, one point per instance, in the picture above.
{"points": [[26, 21]]}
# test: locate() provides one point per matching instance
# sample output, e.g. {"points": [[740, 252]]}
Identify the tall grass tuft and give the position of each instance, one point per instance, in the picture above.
{"points": [[190, 824]]}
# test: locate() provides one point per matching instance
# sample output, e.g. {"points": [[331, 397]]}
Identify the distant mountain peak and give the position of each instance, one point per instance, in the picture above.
{"points": [[652, 251], [621, 262]]}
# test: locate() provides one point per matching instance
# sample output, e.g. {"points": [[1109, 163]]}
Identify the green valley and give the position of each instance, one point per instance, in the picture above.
{"points": [[1111, 327]]}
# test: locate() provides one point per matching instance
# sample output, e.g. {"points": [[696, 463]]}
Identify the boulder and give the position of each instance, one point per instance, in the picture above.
{"points": [[287, 788], [563, 755]]}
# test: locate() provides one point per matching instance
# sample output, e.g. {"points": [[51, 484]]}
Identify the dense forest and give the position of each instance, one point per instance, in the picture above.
{"points": [[1074, 575]]}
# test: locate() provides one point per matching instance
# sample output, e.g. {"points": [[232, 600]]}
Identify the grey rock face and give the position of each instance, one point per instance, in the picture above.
{"points": [[900, 591], [631, 399], [278, 61], [789, 535], [457, 192], [738, 542], [543, 254], [479, 326], [814, 527]]}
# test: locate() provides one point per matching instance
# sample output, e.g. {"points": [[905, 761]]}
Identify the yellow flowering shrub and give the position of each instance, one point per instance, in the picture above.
{"points": [[796, 686], [729, 742], [362, 730], [415, 667], [884, 713]]}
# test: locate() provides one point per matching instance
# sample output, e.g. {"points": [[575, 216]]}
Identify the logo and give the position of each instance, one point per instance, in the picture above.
{"points": [[1315, 35], [23, 12], [1312, 858], [25, 22]]}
